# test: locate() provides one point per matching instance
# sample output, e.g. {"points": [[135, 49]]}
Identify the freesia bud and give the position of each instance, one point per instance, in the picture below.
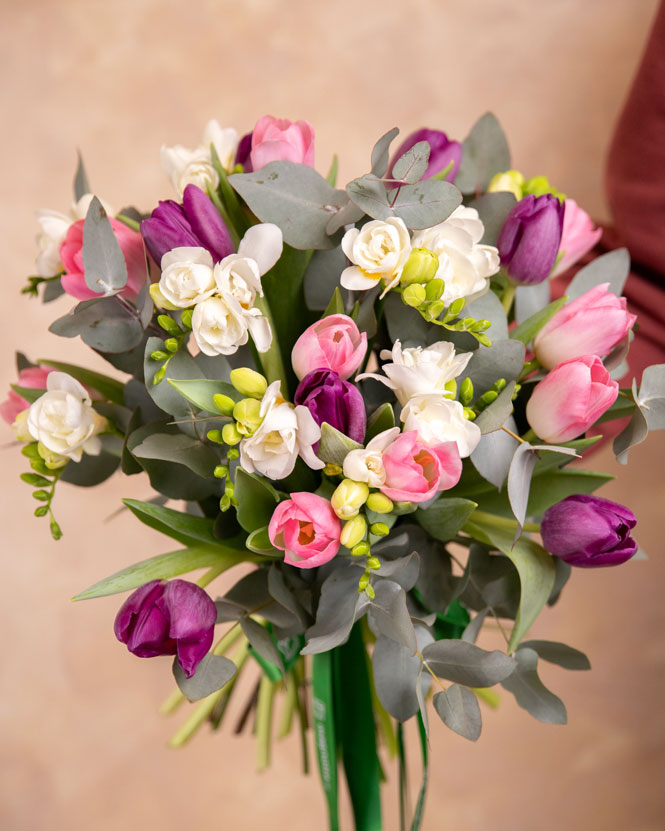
{"points": [[571, 398], [353, 531], [590, 325], [415, 295], [249, 382], [168, 618], [231, 435], [248, 415], [589, 532], [224, 403], [349, 497], [158, 298], [379, 503], [537, 186], [529, 239], [511, 181], [421, 267]]}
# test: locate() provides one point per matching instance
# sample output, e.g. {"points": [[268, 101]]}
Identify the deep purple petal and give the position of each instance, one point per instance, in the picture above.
{"points": [[206, 223], [529, 239], [243, 153], [338, 403]]}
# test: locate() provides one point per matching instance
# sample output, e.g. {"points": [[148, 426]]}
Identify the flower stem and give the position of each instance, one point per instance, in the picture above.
{"points": [[264, 709], [508, 297], [271, 361]]}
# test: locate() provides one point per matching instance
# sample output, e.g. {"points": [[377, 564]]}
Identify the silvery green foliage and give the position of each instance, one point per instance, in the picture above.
{"points": [[411, 167], [81, 184], [612, 268], [649, 412], [211, 675], [458, 709], [485, 153], [103, 261], [530, 692]]}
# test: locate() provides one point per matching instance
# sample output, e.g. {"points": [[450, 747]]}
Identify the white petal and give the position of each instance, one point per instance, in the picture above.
{"points": [[384, 439], [186, 254], [309, 433], [263, 243], [353, 279], [259, 329], [62, 381]]}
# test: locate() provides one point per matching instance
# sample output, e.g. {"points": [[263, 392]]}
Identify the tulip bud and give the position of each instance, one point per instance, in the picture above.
{"points": [[511, 181], [354, 531], [414, 295], [379, 503], [349, 497], [249, 382], [529, 239], [248, 415], [421, 267], [231, 435], [224, 403]]}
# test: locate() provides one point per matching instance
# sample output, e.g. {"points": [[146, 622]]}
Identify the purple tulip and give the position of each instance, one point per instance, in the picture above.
{"points": [[196, 223], [589, 531], [168, 618], [530, 237], [443, 151], [243, 153], [337, 402]]}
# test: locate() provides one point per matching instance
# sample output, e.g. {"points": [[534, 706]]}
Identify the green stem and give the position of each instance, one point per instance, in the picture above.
{"points": [[503, 522], [290, 703], [271, 361], [264, 722], [530, 436], [508, 297], [129, 222], [299, 674]]}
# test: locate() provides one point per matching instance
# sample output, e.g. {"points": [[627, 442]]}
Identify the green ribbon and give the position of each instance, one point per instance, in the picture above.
{"points": [[356, 732], [323, 717]]}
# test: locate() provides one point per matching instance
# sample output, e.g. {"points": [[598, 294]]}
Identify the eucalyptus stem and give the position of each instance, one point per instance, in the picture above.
{"points": [[264, 709]]}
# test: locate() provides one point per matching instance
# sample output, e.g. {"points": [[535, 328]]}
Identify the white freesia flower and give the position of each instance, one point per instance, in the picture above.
{"points": [[187, 276], [53, 227], [378, 250], [63, 419], [465, 266], [366, 465], [437, 419], [285, 433], [420, 370], [185, 166], [239, 275], [220, 325]]}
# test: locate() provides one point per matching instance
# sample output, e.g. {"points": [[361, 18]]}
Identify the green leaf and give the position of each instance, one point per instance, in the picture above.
{"points": [[458, 709], [526, 331], [186, 528], [493, 208], [103, 324], [180, 449], [383, 418], [165, 566], [201, 391], [104, 265], [534, 566], [257, 500], [484, 153], [212, 673], [444, 518], [259, 542], [558, 653], [381, 152], [81, 184], [29, 393], [336, 304], [621, 408], [530, 692], [467, 664], [412, 165], [109, 388], [293, 196], [331, 178], [612, 268], [261, 641], [35, 480], [91, 470], [334, 445]]}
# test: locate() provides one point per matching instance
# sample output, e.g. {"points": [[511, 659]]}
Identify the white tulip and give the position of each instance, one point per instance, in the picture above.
{"points": [[63, 420], [465, 266], [420, 370], [378, 250], [437, 419], [366, 465], [185, 166], [187, 276], [285, 433]]}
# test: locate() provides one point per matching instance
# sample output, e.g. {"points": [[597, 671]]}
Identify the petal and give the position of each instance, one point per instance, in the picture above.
{"points": [[263, 243], [354, 279]]}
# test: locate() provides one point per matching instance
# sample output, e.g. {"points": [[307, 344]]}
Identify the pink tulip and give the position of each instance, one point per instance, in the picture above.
{"points": [[577, 237], [590, 325], [332, 343], [570, 399], [306, 528], [415, 472], [281, 140], [71, 254], [33, 378]]}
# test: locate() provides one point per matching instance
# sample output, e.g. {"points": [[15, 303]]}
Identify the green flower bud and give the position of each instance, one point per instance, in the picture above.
{"points": [[379, 529], [158, 355], [537, 186], [354, 531], [455, 307], [159, 375], [248, 415], [168, 324], [224, 403], [421, 267], [53, 461], [215, 436], [232, 453], [451, 388], [379, 503], [500, 384], [466, 392], [510, 181], [434, 309], [171, 344], [373, 563], [224, 503], [231, 434], [332, 470], [349, 497], [434, 289], [362, 583], [360, 550], [469, 414], [489, 396], [414, 295], [220, 471], [159, 300], [186, 318], [369, 591], [249, 382]]}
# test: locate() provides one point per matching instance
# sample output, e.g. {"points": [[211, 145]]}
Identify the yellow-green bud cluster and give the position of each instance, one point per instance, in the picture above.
{"points": [[512, 181]]}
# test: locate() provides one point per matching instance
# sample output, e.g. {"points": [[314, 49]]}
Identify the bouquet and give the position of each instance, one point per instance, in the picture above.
{"points": [[369, 397]]}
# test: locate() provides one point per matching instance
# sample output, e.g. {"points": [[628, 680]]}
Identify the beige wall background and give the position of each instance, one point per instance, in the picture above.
{"points": [[83, 745]]}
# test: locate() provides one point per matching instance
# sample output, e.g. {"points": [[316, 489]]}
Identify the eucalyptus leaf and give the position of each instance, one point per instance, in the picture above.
{"points": [[493, 417], [181, 367], [402, 570], [91, 470], [467, 664], [652, 396], [494, 453], [504, 359], [530, 692], [369, 194], [488, 307], [293, 196], [493, 209], [284, 594], [348, 214], [558, 653], [104, 265], [322, 276], [521, 470], [426, 203], [472, 631], [201, 391], [381, 152], [81, 184], [179, 449], [458, 709], [484, 153], [529, 300], [212, 673], [445, 517], [52, 290], [527, 330], [261, 641], [103, 324], [389, 615], [397, 673], [612, 268], [412, 165], [336, 612], [334, 445]]}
